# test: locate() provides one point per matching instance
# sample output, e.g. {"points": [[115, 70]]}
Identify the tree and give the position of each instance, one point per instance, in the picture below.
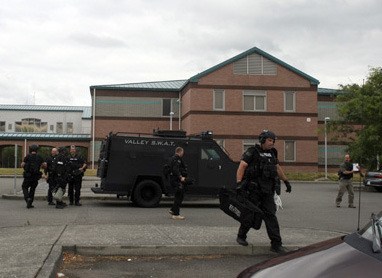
{"points": [[360, 111]]}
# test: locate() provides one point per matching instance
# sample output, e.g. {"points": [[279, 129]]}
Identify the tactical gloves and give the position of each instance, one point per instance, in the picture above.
{"points": [[288, 187], [241, 184]]}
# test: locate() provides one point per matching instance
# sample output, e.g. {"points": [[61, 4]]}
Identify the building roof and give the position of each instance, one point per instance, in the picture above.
{"points": [[172, 85], [44, 136], [86, 110], [328, 92], [177, 85], [253, 50]]}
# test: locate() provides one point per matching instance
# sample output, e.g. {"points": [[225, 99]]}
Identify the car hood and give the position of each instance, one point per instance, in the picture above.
{"points": [[339, 260]]}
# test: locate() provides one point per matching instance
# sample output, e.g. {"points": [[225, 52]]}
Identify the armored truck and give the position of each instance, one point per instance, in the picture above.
{"points": [[132, 165]]}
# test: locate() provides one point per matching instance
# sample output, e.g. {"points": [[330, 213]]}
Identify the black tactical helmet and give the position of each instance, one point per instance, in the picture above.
{"points": [[266, 134], [33, 148], [62, 150]]}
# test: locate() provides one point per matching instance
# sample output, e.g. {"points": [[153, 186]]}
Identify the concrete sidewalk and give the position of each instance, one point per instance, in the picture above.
{"points": [[35, 251]]}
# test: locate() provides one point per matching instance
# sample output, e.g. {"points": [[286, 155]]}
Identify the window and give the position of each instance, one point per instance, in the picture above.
{"points": [[254, 100], [209, 154], [290, 151], [255, 64], [220, 142], [219, 101], [51, 128], [69, 128], [59, 128], [249, 143], [2, 126], [9, 126], [166, 107], [289, 102], [31, 125]]}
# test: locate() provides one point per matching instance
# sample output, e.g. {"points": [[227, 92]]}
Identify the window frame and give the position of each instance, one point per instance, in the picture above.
{"points": [[255, 93], [222, 91], [249, 143], [3, 123], [294, 151], [285, 101], [62, 128], [71, 129]]}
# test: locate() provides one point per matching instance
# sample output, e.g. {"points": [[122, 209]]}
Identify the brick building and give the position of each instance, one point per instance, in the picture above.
{"points": [[235, 99]]}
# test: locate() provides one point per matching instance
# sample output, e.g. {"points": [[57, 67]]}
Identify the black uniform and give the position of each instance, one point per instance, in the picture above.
{"points": [[60, 172], [178, 169], [261, 175], [51, 178], [75, 178], [31, 175]]}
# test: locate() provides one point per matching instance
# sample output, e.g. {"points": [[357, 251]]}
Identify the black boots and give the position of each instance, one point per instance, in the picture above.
{"points": [[241, 241]]}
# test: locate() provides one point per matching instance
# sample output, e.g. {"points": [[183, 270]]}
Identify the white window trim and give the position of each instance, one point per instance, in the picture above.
{"points": [[256, 94], [294, 151], [223, 92], [294, 101], [249, 142]]}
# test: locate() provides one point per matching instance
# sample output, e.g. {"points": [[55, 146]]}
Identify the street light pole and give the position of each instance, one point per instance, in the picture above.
{"points": [[171, 114], [326, 150]]}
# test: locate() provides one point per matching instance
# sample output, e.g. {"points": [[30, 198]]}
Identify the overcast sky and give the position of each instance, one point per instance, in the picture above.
{"points": [[51, 51]]}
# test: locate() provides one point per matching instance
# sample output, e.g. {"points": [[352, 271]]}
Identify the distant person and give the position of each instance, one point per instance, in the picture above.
{"points": [[345, 182], [77, 167], [177, 178], [31, 164], [49, 175], [60, 171]]}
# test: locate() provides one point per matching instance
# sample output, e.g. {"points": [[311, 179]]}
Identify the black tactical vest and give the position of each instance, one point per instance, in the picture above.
{"points": [[265, 169]]}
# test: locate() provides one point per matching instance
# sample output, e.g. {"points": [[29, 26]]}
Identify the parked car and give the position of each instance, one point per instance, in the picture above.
{"points": [[373, 179], [355, 255]]}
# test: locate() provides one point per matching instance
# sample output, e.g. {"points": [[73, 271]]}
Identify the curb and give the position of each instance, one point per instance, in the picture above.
{"points": [[51, 264], [54, 259]]}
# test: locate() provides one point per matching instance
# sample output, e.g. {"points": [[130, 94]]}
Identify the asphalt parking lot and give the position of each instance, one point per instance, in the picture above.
{"points": [[107, 226]]}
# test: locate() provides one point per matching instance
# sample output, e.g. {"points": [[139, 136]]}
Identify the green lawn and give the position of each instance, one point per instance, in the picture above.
{"points": [[19, 171], [291, 176]]}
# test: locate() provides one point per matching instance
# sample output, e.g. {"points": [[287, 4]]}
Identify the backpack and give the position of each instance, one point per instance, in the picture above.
{"points": [[32, 166]]}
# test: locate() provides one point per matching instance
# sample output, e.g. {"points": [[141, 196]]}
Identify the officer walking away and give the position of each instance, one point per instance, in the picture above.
{"points": [[345, 183], [31, 164], [77, 167], [177, 178], [49, 175], [60, 171], [256, 175]]}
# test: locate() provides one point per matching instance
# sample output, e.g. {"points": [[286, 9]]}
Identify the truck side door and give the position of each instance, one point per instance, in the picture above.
{"points": [[211, 176]]}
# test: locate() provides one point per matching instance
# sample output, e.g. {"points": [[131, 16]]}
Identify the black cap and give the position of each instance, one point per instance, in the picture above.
{"points": [[33, 148]]}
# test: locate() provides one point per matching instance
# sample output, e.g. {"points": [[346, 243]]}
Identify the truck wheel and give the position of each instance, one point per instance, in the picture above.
{"points": [[147, 194]]}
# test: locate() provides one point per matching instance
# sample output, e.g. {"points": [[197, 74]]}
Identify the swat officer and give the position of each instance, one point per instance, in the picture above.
{"points": [[60, 170], [49, 175], [177, 178], [77, 167], [256, 175], [31, 164]]}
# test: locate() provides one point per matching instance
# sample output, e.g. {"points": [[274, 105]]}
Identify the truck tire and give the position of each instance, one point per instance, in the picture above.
{"points": [[147, 194]]}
